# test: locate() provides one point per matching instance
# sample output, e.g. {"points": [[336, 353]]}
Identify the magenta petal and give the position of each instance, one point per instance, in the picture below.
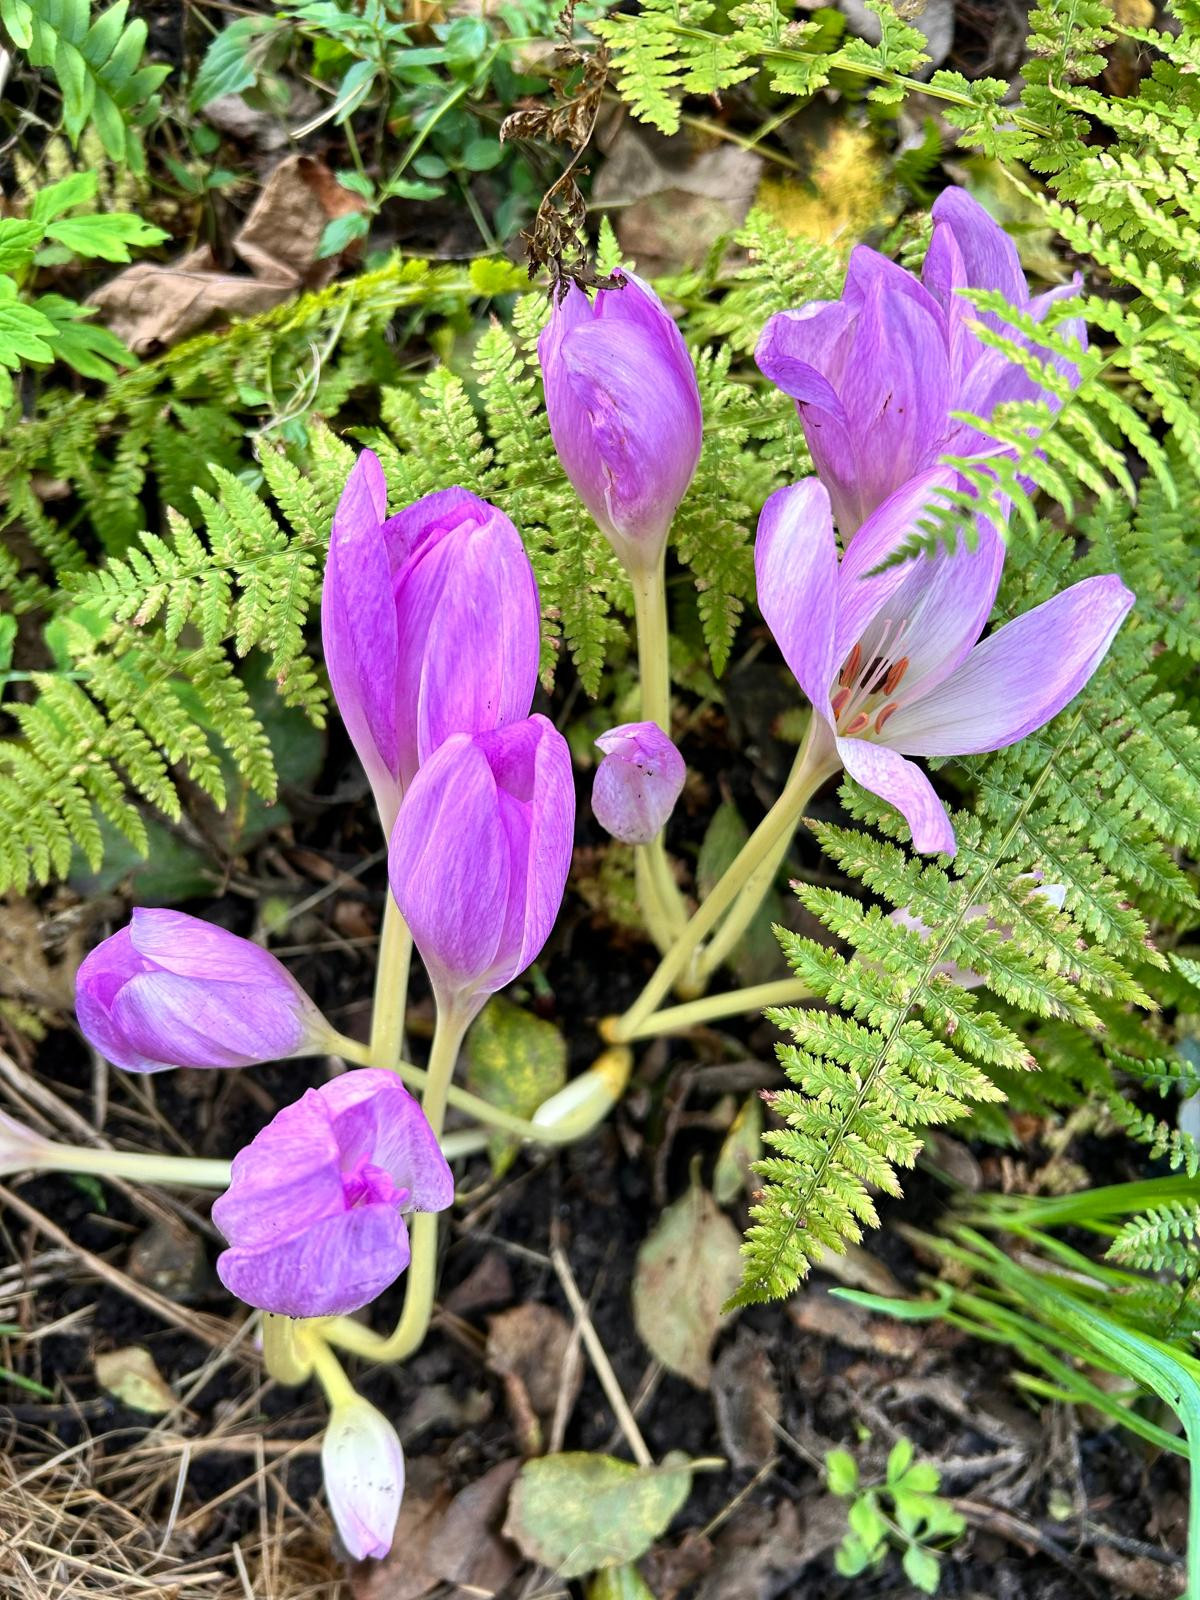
{"points": [[988, 255], [358, 622], [101, 976], [448, 863], [902, 784], [286, 1177], [201, 950], [184, 1023], [796, 567], [1020, 677], [405, 1145], [330, 1269], [637, 783]]}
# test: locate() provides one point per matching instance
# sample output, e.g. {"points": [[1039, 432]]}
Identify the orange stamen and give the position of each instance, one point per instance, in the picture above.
{"points": [[898, 669], [858, 724], [853, 661], [884, 715], [840, 700]]}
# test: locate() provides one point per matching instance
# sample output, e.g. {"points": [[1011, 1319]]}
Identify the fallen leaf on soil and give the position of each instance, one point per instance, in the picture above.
{"points": [[1140, 1576], [153, 304], [759, 1552], [132, 1378], [578, 1513], [489, 1284], [515, 1061], [859, 1269], [674, 203], [673, 1569], [686, 1270], [466, 1548], [815, 1312], [406, 1574], [741, 1148], [172, 1259], [619, 1583], [532, 1348], [746, 1400]]}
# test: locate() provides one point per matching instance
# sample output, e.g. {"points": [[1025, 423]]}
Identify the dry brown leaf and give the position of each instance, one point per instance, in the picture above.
{"points": [[532, 1348], [467, 1547], [746, 1400], [406, 1573], [816, 1312], [152, 304]]}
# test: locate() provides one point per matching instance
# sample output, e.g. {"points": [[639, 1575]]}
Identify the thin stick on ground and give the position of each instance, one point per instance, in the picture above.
{"points": [[600, 1361]]}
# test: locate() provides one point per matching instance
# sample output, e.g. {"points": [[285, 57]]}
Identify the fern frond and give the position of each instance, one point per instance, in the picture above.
{"points": [[1163, 1238]]}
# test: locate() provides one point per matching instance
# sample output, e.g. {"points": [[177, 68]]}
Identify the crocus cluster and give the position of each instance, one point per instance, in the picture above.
{"points": [[892, 657]]}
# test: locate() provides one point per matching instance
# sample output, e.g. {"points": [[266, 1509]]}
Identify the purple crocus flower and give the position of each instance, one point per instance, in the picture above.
{"points": [[876, 374], [891, 662], [314, 1213], [624, 411], [430, 622], [362, 1463], [479, 857], [172, 991], [638, 782]]}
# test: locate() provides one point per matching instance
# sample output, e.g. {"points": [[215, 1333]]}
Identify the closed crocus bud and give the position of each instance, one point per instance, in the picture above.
{"points": [[624, 411], [362, 1463], [638, 782], [430, 623], [316, 1205], [172, 991], [479, 857]]}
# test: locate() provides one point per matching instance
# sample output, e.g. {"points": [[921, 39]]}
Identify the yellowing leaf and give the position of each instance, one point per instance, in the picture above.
{"points": [[514, 1061], [686, 1270], [579, 1513], [130, 1376]]}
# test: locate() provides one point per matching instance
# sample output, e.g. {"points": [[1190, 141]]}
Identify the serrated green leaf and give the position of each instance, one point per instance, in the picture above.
{"points": [[18, 241], [107, 235], [233, 60], [841, 1471]]}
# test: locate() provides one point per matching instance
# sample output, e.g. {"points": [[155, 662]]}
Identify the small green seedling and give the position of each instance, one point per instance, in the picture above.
{"points": [[904, 1512]]}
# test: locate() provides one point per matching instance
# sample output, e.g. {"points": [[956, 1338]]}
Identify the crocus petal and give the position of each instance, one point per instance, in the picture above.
{"points": [[101, 976], [902, 784], [362, 1464], [329, 1269], [469, 635], [295, 1156], [405, 1144], [448, 863], [179, 1022], [796, 568], [988, 254], [1020, 677], [358, 621], [637, 783], [624, 411], [193, 948]]}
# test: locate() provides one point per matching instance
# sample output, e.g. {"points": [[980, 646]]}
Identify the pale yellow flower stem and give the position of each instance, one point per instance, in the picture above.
{"points": [[391, 989], [662, 904], [736, 1002], [817, 762]]}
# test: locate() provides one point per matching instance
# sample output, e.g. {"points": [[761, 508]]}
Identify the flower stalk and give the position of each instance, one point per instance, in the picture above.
{"points": [[658, 894], [710, 1008], [391, 990], [816, 764]]}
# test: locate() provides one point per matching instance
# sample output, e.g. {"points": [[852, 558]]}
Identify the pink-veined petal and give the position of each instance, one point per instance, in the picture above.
{"points": [[902, 784], [1020, 677], [329, 1269], [796, 568]]}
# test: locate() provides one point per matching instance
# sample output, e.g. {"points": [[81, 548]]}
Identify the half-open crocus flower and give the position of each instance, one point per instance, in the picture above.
{"points": [[637, 783], [362, 1463], [891, 662], [876, 374], [479, 857], [1054, 894], [314, 1213], [624, 411], [430, 622], [171, 990]]}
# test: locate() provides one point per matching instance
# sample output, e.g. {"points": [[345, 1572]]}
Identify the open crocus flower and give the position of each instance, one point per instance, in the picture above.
{"points": [[314, 1213], [891, 662], [637, 783], [479, 857], [430, 622], [171, 990], [876, 374], [624, 411]]}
